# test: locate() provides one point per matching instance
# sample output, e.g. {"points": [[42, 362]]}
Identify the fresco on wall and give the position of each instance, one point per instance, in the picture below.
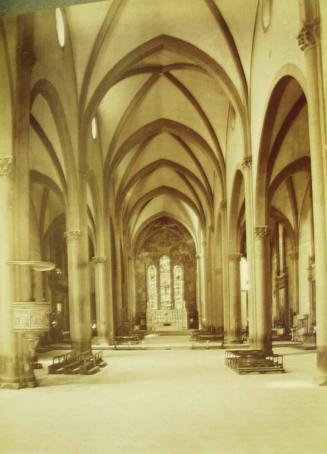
{"points": [[165, 245]]}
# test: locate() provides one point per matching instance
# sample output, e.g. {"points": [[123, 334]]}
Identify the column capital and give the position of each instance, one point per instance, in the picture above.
{"points": [[26, 56], [7, 166], [309, 34], [99, 259], [72, 235], [247, 163], [223, 205], [294, 255], [131, 258], [236, 257], [261, 232]]}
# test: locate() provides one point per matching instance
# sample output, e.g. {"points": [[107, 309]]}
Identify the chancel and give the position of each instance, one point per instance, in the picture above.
{"points": [[163, 231]]}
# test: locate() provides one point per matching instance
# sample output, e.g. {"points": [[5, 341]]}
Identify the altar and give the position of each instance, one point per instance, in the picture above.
{"points": [[159, 319]]}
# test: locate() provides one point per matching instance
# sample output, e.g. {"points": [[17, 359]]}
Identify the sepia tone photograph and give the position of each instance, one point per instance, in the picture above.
{"points": [[163, 230]]}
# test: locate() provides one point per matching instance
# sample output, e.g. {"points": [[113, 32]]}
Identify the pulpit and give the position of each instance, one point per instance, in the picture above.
{"points": [[30, 320]]}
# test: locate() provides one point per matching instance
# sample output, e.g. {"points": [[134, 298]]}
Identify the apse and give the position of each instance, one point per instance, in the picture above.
{"points": [[165, 277]]}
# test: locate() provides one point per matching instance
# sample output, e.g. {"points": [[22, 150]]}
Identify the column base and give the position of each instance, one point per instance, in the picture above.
{"points": [[99, 340], [233, 340], [5, 385], [321, 381], [31, 384], [81, 346], [17, 384], [321, 375]]}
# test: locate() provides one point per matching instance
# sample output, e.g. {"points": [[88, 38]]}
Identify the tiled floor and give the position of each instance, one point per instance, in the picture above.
{"points": [[169, 401]]}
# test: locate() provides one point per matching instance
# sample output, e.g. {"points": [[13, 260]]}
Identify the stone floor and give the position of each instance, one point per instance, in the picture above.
{"points": [[169, 401]]}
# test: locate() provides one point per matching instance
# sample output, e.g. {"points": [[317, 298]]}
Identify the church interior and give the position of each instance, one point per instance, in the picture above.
{"points": [[163, 232]]}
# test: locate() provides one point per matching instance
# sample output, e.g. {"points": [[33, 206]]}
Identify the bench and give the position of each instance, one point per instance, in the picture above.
{"points": [[253, 361], [61, 363], [85, 363]]}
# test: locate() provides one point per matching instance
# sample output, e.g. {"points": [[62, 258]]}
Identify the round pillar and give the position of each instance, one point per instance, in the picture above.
{"points": [[309, 43], [263, 340], [9, 374], [235, 329], [79, 300], [100, 297]]}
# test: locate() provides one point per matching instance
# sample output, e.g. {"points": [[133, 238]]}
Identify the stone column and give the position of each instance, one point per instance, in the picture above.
{"points": [[309, 42], [119, 304], [219, 306], [225, 271], [263, 284], [219, 300], [9, 374], [100, 297], [109, 279], [25, 60], [203, 289], [198, 289], [250, 246], [79, 307], [312, 297], [131, 291], [235, 328], [208, 248], [294, 256]]}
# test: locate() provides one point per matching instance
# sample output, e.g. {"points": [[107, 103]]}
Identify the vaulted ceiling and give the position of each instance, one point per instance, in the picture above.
{"points": [[163, 79]]}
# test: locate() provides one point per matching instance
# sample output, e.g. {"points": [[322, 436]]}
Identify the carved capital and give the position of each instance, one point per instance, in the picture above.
{"points": [[236, 257], [247, 163], [7, 166], [309, 34], [26, 57], [294, 255], [72, 235], [99, 259], [223, 205], [261, 232]]}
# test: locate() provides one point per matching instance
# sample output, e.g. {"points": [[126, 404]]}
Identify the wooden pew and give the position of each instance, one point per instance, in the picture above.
{"points": [[70, 363]]}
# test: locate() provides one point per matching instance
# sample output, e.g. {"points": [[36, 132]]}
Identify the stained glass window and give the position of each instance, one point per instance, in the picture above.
{"points": [[152, 287], [165, 289], [179, 286]]}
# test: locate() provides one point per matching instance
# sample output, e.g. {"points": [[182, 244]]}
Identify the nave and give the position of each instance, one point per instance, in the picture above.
{"points": [[163, 169], [168, 401]]}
